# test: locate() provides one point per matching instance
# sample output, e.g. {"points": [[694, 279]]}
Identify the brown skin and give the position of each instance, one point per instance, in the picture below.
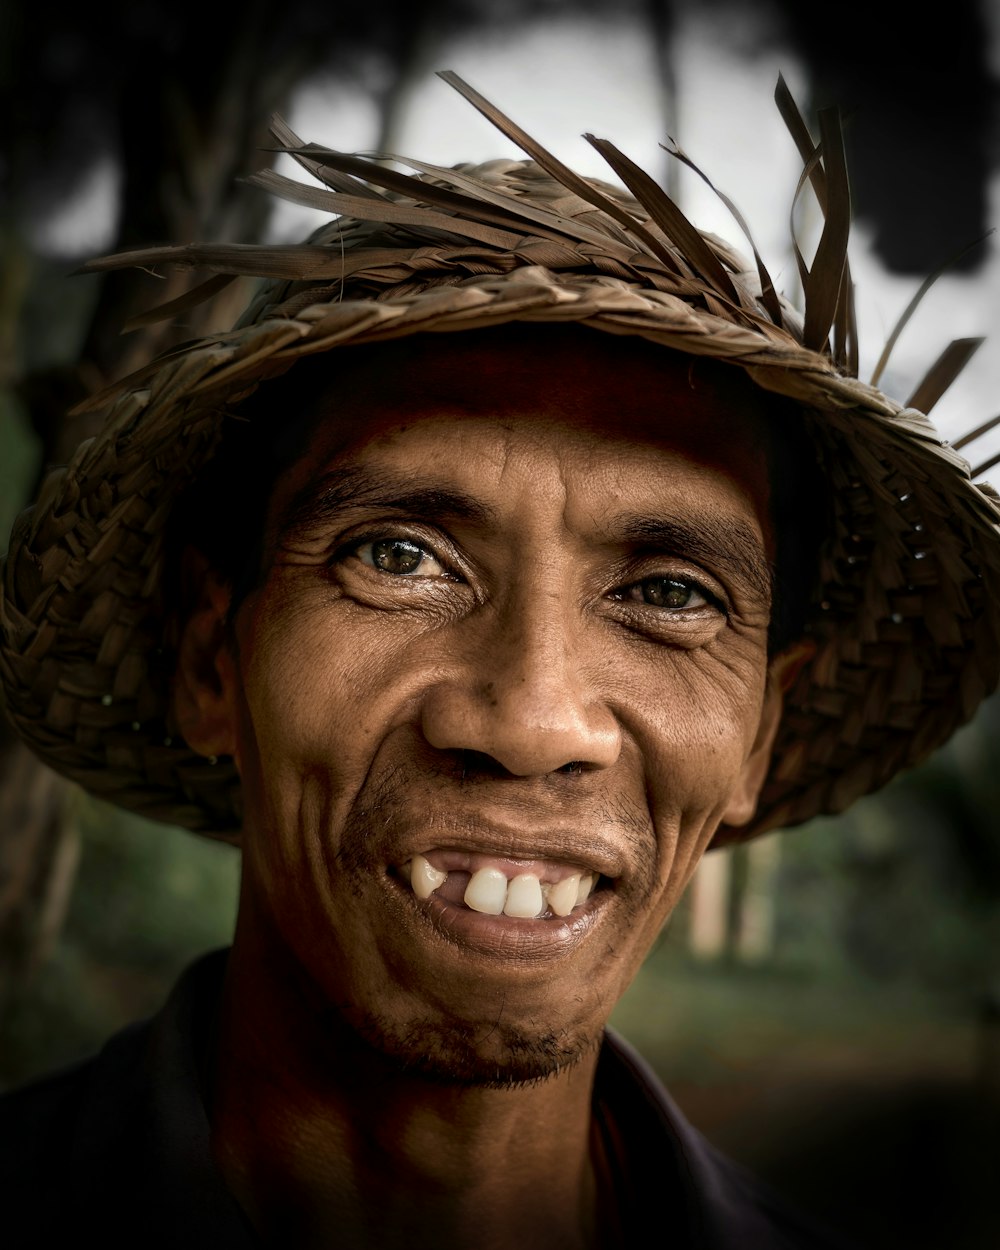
{"points": [[510, 684]]}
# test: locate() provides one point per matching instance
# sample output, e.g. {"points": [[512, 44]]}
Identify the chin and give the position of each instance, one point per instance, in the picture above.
{"points": [[496, 1056]]}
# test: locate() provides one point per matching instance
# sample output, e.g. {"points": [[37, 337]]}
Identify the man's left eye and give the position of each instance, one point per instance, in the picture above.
{"points": [[665, 592], [399, 556]]}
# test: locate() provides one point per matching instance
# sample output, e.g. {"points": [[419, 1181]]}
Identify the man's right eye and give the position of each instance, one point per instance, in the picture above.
{"points": [[401, 557]]}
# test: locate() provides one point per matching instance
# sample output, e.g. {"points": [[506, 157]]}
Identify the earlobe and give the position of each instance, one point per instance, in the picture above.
{"points": [[782, 672], [205, 675]]}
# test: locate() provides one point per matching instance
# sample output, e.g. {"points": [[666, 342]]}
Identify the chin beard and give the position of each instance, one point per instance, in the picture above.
{"points": [[461, 1054]]}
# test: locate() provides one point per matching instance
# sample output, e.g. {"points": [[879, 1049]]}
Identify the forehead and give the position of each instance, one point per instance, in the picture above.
{"points": [[611, 407]]}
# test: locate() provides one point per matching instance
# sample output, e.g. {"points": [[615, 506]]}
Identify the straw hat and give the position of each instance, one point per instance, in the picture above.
{"points": [[906, 615]]}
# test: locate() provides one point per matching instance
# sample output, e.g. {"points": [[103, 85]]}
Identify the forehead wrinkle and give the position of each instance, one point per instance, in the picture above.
{"points": [[721, 542], [323, 498], [528, 468]]}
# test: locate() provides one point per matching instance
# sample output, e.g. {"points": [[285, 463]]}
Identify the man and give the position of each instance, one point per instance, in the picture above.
{"points": [[517, 547]]}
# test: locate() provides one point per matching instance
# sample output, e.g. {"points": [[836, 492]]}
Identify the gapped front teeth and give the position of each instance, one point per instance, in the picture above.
{"points": [[524, 897]]}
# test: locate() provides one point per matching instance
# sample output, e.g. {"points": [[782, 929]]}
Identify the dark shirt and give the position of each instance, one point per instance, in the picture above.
{"points": [[116, 1150]]}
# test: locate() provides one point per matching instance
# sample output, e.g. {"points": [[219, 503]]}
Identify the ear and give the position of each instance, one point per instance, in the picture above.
{"points": [[205, 678], [781, 675]]}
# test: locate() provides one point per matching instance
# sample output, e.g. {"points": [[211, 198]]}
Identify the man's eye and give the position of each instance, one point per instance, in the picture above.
{"points": [[665, 592], [399, 556]]}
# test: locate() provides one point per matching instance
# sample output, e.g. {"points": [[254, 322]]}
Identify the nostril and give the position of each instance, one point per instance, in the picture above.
{"points": [[519, 735], [472, 765]]}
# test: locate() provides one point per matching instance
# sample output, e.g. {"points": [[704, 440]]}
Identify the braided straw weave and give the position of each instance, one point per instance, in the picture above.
{"points": [[906, 618]]}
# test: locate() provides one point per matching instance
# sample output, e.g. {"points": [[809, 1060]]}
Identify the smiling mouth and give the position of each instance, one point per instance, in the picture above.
{"points": [[501, 887]]}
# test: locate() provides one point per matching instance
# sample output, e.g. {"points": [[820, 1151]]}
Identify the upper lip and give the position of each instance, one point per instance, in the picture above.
{"points": [[475, 836]]}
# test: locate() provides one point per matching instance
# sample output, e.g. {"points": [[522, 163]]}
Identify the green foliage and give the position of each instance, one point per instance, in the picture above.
{"points": [[149, 894], [905, 886], [148, 899]]}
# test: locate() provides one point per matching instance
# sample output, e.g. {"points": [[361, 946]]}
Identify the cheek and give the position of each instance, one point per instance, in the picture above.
{"points": [[696, 721], [318, 697]]}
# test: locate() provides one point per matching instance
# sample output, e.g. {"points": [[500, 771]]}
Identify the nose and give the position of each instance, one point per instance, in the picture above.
{"points": [[525, 700]]}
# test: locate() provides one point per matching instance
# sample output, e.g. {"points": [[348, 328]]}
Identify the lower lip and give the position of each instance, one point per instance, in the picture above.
{"points": [[509, 936]]}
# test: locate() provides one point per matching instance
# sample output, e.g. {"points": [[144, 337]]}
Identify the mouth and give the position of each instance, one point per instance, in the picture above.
{"points": [[498, 886]]}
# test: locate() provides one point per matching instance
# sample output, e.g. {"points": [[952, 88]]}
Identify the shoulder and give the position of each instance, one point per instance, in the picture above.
{"points": [[118, 1147], [725, 1206], [763, 1218], [35, 1120], [49, 1132]]}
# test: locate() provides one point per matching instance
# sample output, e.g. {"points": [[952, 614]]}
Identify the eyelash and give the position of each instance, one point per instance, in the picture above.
{"points": [[621, 595], [680, 580], [386, 536]]}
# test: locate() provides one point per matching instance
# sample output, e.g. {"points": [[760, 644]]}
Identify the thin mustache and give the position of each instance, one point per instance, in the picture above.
{"points": [[407, 797]]}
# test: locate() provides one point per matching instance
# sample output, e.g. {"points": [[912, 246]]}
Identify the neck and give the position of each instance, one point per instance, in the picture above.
{"points": [[320, 1138]]}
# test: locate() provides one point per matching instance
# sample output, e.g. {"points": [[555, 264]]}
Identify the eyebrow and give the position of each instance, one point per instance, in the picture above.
{"points": [[725, 543], [349, 486]]}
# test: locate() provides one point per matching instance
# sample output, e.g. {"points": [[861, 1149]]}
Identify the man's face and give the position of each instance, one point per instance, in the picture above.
{"points": [[512, 632]]}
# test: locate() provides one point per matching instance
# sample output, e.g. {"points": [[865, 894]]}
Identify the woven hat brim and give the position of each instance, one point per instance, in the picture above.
{"points": [[906, 620]]}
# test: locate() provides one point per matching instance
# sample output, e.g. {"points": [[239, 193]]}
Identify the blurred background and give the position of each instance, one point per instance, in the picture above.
{"points": [[825, 1004]]}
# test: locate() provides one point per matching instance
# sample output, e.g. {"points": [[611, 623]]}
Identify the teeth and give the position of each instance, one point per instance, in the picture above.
{"points": [[524, 897], [486, 891], [562, 896], [425, 878]]}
